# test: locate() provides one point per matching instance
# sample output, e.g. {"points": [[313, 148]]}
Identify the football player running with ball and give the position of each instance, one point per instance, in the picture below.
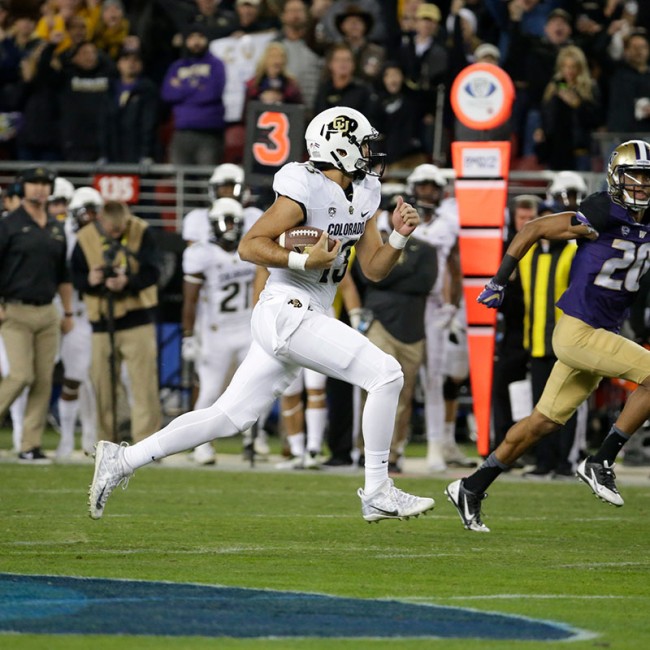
{"points": [[337, 191], [613, 253]]}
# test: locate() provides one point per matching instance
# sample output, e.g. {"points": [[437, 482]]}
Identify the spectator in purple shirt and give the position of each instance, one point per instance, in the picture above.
{"points": [[194, 87]]}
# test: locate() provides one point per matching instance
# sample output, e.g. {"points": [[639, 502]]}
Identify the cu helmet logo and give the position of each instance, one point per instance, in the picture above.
{"points": [[341, 124]]}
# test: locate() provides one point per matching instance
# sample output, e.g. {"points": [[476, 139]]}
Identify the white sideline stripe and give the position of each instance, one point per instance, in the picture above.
{"points": [[595, 565], [201, 550], [523, 596]]}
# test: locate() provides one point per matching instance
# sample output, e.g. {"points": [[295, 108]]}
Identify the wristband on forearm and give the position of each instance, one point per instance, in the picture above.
{"points": [[397, 241], [297, 261], [508, 265]]}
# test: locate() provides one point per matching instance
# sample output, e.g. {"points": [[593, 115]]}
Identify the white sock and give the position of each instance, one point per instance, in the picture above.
{"points": [[17, 410], [378, 419], [434, 409], [316, 421], [297, 444], [450, 433], [376, 469], [68, 411], [185, 432], [87, 415]]}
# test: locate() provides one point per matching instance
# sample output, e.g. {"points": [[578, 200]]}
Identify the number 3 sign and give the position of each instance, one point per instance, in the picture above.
{"points": [[274, 136]]}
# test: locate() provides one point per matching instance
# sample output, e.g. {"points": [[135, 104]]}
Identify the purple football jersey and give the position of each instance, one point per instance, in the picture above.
{"points": [[605, 273]]}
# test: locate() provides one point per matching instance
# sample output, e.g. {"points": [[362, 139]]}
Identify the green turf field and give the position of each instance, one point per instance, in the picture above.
{"points": [[554, 553]]}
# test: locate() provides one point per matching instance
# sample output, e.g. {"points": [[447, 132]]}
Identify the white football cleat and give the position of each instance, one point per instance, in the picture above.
{"points": [[468, 505], [435, 458], [389, 502], [295, 462], [65, 449], [110, 471], [204, 454], [311, 460], [261, 445], [601, 479], [454, 457]]}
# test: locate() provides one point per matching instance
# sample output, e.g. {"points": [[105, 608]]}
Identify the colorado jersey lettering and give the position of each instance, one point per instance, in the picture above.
{"points": [[605, 273], [325, 206], [226, 293]]}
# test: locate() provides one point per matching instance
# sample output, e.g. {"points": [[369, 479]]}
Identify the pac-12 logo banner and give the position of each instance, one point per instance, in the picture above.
{"points": [[482, 96], [274, 137]]}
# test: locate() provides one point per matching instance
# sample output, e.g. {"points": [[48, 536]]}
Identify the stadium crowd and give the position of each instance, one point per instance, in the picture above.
{"points": [[168, 80]]}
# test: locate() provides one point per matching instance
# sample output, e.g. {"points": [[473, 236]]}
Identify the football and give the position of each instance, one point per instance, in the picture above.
{"points": [[302, 238]]}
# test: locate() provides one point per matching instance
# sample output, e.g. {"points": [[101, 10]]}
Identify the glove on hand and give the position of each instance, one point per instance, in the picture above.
{"points": [[492, 295], [190, 348], [360, 319]]}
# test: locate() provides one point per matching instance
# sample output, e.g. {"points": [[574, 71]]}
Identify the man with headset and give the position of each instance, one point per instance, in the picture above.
{"points": [[32, 270]]}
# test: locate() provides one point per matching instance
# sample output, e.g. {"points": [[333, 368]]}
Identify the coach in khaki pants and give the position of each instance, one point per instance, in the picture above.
{"points": [[114, 262], [32, 270]]}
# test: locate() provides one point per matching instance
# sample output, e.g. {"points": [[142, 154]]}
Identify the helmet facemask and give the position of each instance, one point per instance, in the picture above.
{"points": [[633, 186], [628, 175], [84, 214], [430, 198], [216, 190], [569, 198], [370, 162], [226, 181], [426, 186], [226, 223], [227, 231]]}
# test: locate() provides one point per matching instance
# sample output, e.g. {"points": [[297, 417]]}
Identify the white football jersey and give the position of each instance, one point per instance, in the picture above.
{"points": [[196, 225], [227, 290], [70, 229], [442, 233], [327, 207]]}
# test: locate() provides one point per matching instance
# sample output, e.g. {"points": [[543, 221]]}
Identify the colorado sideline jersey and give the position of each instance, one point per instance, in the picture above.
{"points": [[441, 233], [78, 304], [605, 272], [226, 293], [325, 206]]}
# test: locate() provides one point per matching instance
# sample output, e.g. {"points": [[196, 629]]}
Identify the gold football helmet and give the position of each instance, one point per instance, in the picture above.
{"points": [[628, 175]]}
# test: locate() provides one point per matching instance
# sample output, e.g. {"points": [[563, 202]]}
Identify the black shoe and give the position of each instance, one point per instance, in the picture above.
{"points": [[394, 468], [34, 456], [336, 461]]}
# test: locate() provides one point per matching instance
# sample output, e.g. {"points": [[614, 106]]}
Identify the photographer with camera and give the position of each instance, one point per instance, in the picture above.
{"points": [[113, 265]]}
